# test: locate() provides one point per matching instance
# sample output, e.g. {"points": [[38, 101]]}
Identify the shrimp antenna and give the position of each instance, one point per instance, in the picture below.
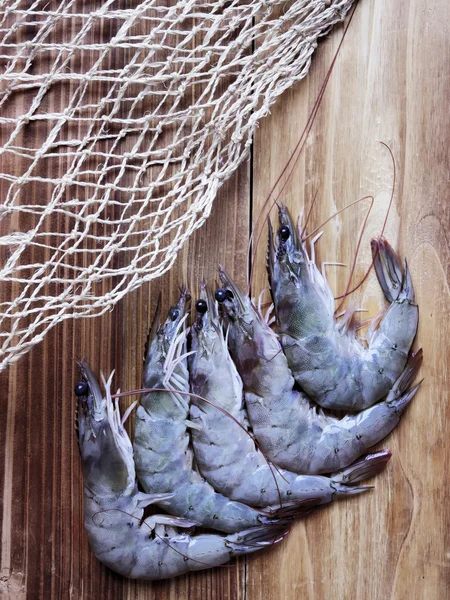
{"points": [[309, 213], [394, 178], [293, 158], [337, 213], [358, 246], [304, 238]]}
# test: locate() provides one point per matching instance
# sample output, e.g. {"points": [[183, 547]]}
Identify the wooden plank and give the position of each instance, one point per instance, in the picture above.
{"points": [[390, 84]]}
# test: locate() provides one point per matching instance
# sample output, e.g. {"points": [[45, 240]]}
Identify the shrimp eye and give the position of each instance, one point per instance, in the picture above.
{"points": [[201, 306], [81, 389], [284, 233], [221, 296], [173, 313]]}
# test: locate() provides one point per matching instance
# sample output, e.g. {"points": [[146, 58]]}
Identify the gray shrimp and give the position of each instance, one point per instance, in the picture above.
{"points": [[113, 506], [225, 453], [292, 433], [162, 451], [326, 358]]}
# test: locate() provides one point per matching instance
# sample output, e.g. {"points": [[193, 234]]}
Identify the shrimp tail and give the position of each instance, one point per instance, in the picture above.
{"points": [[342, 489], [400, 396], [257, 538], [366, 467], [396, 285], [290, 511], [401, 403]]}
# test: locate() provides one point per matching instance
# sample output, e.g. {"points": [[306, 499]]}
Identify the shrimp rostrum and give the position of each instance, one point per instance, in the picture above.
{"points": [[326, 358], [113, 506]]}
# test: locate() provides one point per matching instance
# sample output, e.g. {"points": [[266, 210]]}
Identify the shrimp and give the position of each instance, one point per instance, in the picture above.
{"points": [[163, 456], [225, 452], [113, 506], [287, 426], [327, 360]]}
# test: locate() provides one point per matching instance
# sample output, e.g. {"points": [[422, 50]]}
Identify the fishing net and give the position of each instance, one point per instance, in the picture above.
{"points": [[119, 122]]}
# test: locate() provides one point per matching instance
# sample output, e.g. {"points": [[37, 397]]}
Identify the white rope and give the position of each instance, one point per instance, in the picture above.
{"points": [[118, 127]]}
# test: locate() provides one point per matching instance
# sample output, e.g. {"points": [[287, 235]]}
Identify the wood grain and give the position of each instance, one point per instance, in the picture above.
{"points": [[390, 84]]}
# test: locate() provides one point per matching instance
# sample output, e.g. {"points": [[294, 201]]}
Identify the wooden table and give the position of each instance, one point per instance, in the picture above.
{"points": [[391, 83]]}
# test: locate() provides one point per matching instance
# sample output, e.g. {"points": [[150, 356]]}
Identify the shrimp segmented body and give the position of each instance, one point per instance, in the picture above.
{"points": [[225, 453], [292, 433], [326, 359], [163, 455], [113, 506]]}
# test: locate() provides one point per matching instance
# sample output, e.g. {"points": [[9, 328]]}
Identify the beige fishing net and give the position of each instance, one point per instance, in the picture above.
{"points": [[119, 122]]}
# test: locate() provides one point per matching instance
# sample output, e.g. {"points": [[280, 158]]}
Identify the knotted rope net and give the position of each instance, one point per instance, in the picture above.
{"points": [[119, 122]]}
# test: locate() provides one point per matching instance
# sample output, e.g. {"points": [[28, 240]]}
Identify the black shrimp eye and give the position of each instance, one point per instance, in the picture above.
{"points": [[285, 233], [81, 388], [201, 306], [221, 296], [173, 313]]}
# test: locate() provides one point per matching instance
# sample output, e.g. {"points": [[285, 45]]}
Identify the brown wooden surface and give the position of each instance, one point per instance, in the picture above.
{"points": [[391, 83]]}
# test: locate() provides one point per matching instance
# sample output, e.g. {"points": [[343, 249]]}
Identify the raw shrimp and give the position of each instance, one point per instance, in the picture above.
{"points": [[113, 506], [225, 453], [289, 429], [163, 456], [326, 358]]}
